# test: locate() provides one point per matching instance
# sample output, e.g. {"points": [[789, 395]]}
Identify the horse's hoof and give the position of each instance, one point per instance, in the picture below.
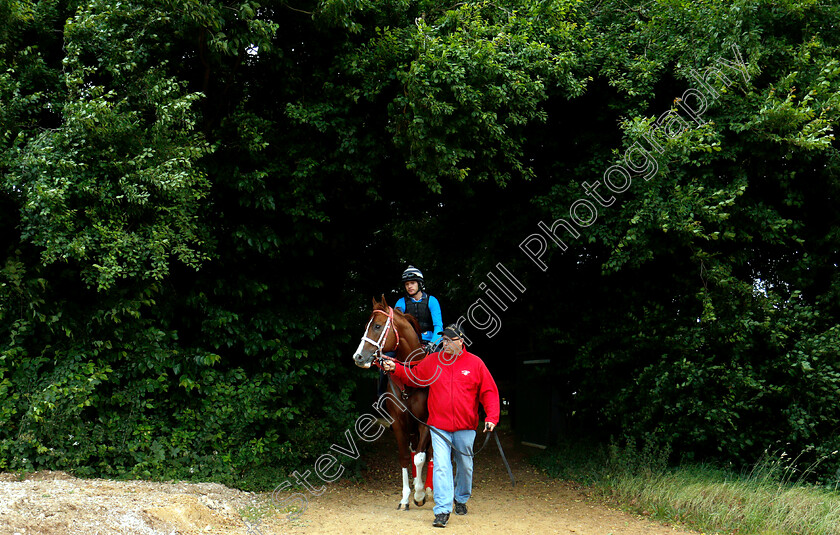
{"points": [[420, 504]]}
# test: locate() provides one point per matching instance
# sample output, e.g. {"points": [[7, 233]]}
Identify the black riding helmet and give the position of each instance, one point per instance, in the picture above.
{"points": [[411, 273]]}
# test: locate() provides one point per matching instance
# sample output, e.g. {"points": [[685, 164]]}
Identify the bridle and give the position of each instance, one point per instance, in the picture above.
{"points": [[389, 324], [379, 344]]}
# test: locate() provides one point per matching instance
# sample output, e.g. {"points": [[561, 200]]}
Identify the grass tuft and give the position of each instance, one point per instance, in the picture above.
{"points": [[772, 498]]}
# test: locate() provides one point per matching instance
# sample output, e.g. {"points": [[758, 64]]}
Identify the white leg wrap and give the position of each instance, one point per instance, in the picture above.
{"points": [[419, 487], [406, 487]]}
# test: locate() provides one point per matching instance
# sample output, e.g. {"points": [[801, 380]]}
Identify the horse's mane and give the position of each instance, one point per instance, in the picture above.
{"points": [[413, 321], [408, 317], [377, 305]]}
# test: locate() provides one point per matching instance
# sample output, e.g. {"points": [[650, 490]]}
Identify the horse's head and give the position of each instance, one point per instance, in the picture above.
{"points": [[380, 334]]}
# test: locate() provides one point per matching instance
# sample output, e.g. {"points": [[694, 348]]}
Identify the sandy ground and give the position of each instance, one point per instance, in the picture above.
{"points": [[54, 503]]}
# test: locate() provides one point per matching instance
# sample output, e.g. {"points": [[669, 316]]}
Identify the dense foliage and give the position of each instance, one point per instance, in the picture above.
{"points": [[200, 198]]}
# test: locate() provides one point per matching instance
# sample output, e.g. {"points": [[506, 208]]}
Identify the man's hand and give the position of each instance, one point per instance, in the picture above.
{"points": [[388, 365], [489, 426]]}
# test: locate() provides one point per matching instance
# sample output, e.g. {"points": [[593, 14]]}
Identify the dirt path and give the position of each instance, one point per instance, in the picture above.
{"points": [[537, 505], [49, 503]]}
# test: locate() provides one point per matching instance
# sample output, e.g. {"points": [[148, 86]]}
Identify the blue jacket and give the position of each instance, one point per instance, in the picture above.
{"points": [[437, 318]]}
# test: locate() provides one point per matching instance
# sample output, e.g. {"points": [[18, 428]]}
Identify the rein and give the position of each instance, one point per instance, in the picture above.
{"points": [[400, 386]]}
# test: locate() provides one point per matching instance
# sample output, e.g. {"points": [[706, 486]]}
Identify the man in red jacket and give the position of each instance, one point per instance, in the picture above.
{"points": [[457, 381]]}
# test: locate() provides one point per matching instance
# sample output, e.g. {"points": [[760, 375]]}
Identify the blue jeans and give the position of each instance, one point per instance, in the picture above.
{"points": [[443, 480]]}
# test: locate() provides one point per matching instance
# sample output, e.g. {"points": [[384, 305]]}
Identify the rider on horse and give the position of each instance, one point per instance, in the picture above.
{"points": [[425, 309]]}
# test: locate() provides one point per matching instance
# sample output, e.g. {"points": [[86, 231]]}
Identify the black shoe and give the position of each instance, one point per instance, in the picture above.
{"points": [[460, 508], [440, 520]]}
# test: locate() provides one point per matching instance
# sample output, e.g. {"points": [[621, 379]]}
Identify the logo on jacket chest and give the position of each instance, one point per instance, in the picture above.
{"points": [[465, 372]]}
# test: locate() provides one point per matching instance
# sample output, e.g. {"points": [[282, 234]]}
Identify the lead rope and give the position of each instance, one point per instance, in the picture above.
{"points": [[486, 439], [504, 459], [451, 445]]}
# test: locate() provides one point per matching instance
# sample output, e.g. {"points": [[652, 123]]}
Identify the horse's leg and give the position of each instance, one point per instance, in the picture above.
{"points": [[419, 488], [400, 431], [419, 409]]}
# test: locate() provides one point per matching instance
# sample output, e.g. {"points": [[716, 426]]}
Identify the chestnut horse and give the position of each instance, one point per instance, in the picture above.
{"points": [[387, 330]]}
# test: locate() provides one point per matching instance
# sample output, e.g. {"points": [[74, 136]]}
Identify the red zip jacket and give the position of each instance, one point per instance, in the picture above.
{"points": [[455, 388]]}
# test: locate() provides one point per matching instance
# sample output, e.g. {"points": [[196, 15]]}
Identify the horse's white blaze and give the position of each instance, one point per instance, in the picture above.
{"points": [[358, 352], [406, 488]]}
